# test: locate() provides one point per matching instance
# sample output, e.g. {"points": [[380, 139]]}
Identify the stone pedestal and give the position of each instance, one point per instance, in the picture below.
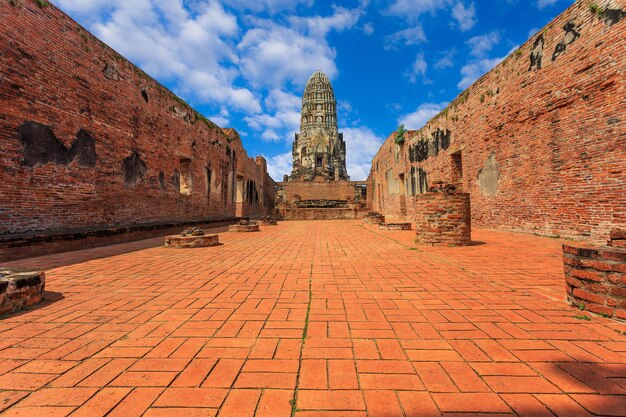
{"points": [[185, 242], [241, 228], [374, 218], [20, 288], [395, 226], [443, 219], [268, 222]]}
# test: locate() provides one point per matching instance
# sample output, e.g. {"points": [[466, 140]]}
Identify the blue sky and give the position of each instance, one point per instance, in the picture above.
{"points": [[244, 63]]}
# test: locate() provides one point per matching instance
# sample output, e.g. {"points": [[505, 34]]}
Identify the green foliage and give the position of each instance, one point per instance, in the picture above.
{"points": [[400, 135], [581, 306], [463, 97], [482, 98], [41, 3], [596, 9], [583, 317]]}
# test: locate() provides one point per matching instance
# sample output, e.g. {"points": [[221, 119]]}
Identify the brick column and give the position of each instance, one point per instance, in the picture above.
{"points": [[443, 219]]}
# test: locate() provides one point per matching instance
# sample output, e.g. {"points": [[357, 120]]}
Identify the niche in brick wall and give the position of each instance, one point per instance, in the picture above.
{"points": [[176, 180], [489, 176], [134, 169], [186, 176]]}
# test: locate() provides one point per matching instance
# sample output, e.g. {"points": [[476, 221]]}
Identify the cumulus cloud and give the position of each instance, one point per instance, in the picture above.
{"points": [[279, 165], [361, 147], [269, 6], [421, 116], [542, 4], [446, 60], [418, 69], [191, 50], [410, 36], [481, 45], [273, 55], [281, 119], [412, 9], [464, 15]]}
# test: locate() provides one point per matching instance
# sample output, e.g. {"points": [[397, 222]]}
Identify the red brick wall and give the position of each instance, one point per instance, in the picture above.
{"points": [[294, 213], [56, 74], [596, 279], [543, 149], [340, 190], [443, 219]]}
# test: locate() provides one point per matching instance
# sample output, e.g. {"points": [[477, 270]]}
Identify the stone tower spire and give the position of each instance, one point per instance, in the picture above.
{"points": [[319, 151]]}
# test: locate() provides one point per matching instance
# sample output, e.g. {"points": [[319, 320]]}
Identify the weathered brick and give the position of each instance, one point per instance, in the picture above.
{"points": [[119, 148]]}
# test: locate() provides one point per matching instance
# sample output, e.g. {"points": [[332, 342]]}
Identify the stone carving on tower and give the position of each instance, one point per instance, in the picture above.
{"points": [[319, 152]]}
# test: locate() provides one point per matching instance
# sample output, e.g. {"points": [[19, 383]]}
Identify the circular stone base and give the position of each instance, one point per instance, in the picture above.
{"points": [[243, 229], [185, 242], [20, 288], [395, 226], [268, 222], [374, 220]]}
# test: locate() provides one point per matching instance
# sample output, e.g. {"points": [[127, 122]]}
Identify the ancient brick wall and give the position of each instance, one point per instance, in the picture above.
{"points": [[89, 140], [539, 142], [302, 190]]}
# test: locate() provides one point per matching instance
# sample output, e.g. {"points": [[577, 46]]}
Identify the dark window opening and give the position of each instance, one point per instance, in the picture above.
{"points": [[209, 178], [456, 171]]}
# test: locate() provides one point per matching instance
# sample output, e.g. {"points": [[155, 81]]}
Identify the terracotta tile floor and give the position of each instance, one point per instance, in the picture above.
{"points": [[335, 318]]}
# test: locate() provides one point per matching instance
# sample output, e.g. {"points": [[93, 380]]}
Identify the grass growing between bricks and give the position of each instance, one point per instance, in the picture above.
{"points": [[305, 332]]}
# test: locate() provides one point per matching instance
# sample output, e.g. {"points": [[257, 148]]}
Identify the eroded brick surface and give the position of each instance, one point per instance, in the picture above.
{"points": [[392, 329]]}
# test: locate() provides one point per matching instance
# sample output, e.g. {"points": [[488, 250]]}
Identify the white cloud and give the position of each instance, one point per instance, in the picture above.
{"points": [[419, 68], [361, 147], [279, 165], [446, 60], [273, 55], [281, 120], [421, 116], [221, 119], [410, 36], [542, 4], [319, 26], [368, 29], [474, 70], [465, 16], [412, 9], [192, 51], [270, 6], [480, 46]]}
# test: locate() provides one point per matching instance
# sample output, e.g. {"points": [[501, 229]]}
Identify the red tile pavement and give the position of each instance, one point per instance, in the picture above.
{"points": [[332, 317]]}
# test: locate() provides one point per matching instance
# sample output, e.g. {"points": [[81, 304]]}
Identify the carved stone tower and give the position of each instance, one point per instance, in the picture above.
{"points": [[319, 151]]}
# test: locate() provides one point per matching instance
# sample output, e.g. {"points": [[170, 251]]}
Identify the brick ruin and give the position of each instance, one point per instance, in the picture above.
{"points": [[595, 277], [538, 143], [99, 152], [20, 288]]}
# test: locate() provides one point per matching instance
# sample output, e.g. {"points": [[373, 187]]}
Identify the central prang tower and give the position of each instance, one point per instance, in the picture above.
{"points": [[319, 152]]}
